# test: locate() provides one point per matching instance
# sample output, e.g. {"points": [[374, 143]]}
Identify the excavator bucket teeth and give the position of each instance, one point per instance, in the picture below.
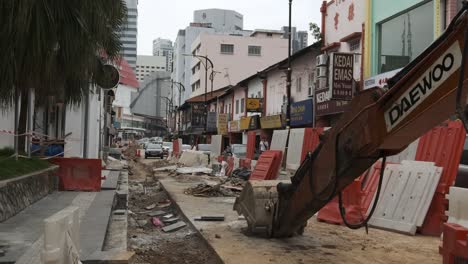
{"points": [[257, 203]]}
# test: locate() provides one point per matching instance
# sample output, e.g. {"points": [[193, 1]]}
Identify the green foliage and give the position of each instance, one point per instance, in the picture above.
{"points": [[53, 46], [10, 168], [316, 32]]}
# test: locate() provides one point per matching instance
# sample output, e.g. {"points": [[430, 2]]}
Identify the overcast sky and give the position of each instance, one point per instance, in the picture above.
{"points": [[163, 18]]}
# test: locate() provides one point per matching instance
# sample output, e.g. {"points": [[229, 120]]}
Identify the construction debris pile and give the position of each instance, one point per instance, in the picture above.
{"points": [[206, 190]]}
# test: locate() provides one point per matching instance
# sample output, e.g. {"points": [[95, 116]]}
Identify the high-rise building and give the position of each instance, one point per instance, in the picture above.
{"points": [[146, 65], [299, 39], [129, 35], [213, 21], [163, 47]]}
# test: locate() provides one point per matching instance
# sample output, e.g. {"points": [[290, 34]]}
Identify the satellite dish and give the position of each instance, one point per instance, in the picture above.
{"points": [[109, 77]]}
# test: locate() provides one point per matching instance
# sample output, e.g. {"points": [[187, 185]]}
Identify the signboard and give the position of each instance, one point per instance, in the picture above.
{"points": [[380, 80], [342, 76], [234, 126], [253, 105], [222, 124], [198, 115], [254, 122], [331, 107], [271, 121], [211, 125], [245, 122], [302, 113]]}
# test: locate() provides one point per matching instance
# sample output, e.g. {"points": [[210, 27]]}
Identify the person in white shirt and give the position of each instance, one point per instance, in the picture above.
{"points": [[263, 145]]}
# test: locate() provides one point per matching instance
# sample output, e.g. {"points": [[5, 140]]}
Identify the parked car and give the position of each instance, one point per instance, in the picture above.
{"points": [[156, 139], [239, 150], [154, 150], [167, 146]]}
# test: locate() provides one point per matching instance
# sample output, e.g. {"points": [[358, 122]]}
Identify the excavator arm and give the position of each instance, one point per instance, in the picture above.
{"points": [[378, 123]]}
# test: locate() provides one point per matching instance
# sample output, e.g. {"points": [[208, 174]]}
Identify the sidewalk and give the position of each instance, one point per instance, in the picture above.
{"points": [[22, 234], [321, 242]]}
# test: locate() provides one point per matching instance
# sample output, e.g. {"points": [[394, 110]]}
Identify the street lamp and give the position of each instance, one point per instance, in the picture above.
{"points": [[168, 107], [200, 57], [181, 88]]}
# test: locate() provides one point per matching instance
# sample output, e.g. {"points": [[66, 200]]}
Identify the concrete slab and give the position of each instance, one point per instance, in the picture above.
{"points": [[111, 181], [94, 224], [321, 242], [21, 231]]}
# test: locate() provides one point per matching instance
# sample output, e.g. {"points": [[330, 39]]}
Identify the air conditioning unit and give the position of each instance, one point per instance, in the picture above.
{"points": [[321, 72], [321, 60], [321, 83]]}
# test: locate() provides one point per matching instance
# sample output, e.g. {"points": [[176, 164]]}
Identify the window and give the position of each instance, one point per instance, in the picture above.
{"points": [[311, 83], [255, 50], [227, 49], [237, 106], [299, 84], [354, 45], [242, 105], [269, 34], [404, 37]]}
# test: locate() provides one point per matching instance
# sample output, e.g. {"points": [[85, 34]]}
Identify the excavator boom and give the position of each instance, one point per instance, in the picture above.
{"points": [[378, 123]]}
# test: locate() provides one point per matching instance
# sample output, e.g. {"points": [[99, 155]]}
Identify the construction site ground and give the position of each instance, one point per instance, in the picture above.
{"points": [[227, 241]]}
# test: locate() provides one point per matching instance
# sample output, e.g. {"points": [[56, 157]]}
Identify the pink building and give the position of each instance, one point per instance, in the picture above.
{"points": [[234, 58]]}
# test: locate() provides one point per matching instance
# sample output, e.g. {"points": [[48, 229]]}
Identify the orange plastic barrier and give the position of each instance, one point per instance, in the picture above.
{"points": [[251, 137], [175, 148], [454, 247], [442, 145], [311, 140], [76, 174], [267, 166]]}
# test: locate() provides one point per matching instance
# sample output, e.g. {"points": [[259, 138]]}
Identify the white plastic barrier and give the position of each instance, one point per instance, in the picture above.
{"points": [[295, 145], [407, 192], [61, 237], [458, 206]]}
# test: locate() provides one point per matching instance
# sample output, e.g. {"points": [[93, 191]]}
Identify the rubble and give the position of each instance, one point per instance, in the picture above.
{"points": [[193, 158], [206, 190], [174, 227]]}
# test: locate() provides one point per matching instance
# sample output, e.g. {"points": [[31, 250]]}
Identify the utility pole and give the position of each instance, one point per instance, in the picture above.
{"points": [[288, 77]]}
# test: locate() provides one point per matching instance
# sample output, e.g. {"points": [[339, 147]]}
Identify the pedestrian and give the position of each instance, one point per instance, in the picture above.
{"points": [[263, 145]]}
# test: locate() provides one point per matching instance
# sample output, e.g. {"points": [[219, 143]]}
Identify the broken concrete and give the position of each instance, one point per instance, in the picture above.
{"points": [[193, 158]]}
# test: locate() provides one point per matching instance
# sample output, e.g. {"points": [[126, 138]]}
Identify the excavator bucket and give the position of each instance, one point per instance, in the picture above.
{"points": [[257, 203]]}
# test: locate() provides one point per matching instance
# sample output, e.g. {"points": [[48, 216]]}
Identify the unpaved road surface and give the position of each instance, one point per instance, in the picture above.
{"points": [[150, 243]]}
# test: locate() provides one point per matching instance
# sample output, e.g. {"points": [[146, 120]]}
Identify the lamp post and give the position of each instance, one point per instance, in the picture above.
{"points": [[181, 88], [200, 57], [168, 108]]}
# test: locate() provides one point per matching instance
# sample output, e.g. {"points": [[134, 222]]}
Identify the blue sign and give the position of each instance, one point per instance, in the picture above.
{"points": [[302, 113], [116, 125]]}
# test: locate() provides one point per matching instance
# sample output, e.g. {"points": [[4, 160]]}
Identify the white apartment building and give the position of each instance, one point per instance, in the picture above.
{"points": [[234, 58], [163, 47], [146, 65], [213, 21], [129, 35]]}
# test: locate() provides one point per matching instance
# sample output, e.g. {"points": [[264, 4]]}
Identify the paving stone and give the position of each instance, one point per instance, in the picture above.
{"points": [[174, 227]]}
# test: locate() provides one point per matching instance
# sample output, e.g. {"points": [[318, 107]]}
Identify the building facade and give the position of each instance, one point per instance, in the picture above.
{"points": [[147, 65], [299, 38], [163, 47], [128, 36], [234, 58], [213, 21]]}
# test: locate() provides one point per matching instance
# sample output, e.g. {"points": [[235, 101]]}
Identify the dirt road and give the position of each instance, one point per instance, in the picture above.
{"points": [[150, 243]]}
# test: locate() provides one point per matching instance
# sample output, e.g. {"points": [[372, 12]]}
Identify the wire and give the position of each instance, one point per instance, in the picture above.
{"points": [[377, 195]]}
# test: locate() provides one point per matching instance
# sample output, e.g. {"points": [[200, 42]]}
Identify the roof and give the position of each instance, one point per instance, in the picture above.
{"points": [[127, 75], [331, 46], [209, 96], [351, 36], [272, 31]]}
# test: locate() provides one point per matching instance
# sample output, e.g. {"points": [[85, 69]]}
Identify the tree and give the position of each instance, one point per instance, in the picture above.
{"points": [[316, 32], [54, 47]]}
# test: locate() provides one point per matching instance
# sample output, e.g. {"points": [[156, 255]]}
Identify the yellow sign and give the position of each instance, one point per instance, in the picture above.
{"points": [[271, 121], [245, 122], [253, 105], [222, 124], [234, 126]]}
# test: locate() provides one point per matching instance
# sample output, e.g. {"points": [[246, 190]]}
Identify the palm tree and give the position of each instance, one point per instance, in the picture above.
{"points": [[53, 47]]}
